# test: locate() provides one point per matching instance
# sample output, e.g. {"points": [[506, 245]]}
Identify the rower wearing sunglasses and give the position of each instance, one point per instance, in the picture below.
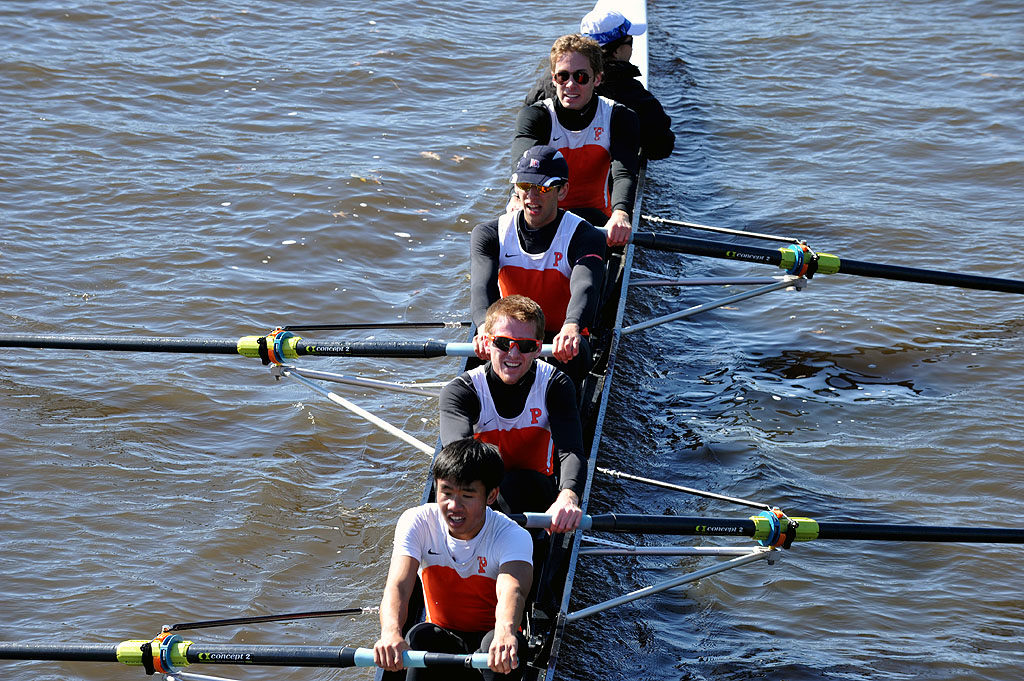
{"points": [[614, 33], [528, 410], [544, 253], [598, 137]]}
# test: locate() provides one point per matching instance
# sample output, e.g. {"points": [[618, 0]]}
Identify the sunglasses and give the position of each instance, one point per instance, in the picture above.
{"points": [[525, 345], [525, 187], [562, 77]]}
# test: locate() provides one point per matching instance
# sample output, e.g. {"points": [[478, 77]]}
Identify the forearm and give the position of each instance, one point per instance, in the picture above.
{"points": [[511, 601], [584, 292], [393, 612]]}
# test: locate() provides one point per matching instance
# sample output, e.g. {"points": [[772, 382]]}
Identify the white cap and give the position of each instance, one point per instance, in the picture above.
{"points": [[606, 26]]}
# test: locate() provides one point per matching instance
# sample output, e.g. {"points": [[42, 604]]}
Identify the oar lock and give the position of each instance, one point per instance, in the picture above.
{"points": [[777, 530], [274, 348], [160, 655], [799, 260]]}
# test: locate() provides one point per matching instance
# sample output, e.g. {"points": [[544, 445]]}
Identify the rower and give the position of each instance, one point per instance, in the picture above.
{"points": [[528, 409], [614, 33], [475, 565], [598, 137], [544, 253]]}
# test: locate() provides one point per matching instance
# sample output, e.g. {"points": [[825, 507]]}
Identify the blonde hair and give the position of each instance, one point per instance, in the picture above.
{"points": [[574, 42], [519, 308]]}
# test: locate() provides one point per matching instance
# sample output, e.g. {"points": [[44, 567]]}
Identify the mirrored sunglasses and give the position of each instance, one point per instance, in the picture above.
{"points": [[525, 345], [582, 77], [525, 187]]}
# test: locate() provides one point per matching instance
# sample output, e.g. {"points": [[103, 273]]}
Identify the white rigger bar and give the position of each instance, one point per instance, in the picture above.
{"points": [[750, 555], [359, 411], [654, 279], [422, 389], [702, 551], [787, 282]]}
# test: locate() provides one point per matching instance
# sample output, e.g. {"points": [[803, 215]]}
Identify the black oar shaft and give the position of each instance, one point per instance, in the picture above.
{"points": [[670, 524], [395, 349], [729, 251], [248, 346], [920, 276], [377, 325], [257, 619], [763, 528], [674, 243], [125, 343], [882, 532], [182, 652], [69, 652]]}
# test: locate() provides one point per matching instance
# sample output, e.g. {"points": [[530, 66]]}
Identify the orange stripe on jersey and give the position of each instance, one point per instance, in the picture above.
{"points": [[589, 167], [549, 288], [453, 602], [522, 448]]}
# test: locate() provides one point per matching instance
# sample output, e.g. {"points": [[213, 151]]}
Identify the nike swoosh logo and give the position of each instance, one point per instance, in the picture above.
{"points": [[555, 139], [510, 255], [432, 552]]}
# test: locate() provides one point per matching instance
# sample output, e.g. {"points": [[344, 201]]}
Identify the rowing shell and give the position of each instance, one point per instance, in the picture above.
{"points": [[546, 617]]}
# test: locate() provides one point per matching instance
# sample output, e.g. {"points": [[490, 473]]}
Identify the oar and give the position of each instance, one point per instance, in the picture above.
{"points": [[377, 325], [770, 528], [179, 653], [799, 260], [288, 346], [256, 619]]}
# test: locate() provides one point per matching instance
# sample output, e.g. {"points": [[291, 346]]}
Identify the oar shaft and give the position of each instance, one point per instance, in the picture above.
{"points": [[257, 619], [394, 349], [186, 652], [828, 264], [124, 344], [761, 528], [68, 652], [920, 276], [377, 325], [882, 532], [247, 346]]}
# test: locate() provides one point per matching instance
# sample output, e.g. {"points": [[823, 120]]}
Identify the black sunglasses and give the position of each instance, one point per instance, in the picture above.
{"points": [[562, 77]]}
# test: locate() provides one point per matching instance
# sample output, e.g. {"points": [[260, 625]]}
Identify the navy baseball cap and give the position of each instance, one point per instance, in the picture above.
{"points": [[541, 165]]}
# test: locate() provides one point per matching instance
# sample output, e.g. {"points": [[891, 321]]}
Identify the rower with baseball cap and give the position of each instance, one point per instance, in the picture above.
{"points": [[544, 253]]}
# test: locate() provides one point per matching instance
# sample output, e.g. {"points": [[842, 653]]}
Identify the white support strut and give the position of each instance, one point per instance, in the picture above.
{"points": [[359, 411]]}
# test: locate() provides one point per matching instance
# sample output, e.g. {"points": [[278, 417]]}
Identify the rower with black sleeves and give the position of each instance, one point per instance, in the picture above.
{"points": [[545, 253], [599, 138], [528, 410], [614, 33]]}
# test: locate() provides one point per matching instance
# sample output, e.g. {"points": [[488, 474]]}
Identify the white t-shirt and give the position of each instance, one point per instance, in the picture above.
{"points": [[460, 575]]}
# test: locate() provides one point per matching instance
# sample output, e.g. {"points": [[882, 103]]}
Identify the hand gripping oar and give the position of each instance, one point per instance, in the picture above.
{"points": [[275, 347], [799, 260], [165, 654], [773, 528]]}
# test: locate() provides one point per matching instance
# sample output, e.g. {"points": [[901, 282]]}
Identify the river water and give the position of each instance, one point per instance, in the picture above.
{"points": [[216, 169]]}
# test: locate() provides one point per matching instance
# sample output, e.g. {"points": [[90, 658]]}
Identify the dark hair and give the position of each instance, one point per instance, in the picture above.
{"points": [[468, 460]]}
